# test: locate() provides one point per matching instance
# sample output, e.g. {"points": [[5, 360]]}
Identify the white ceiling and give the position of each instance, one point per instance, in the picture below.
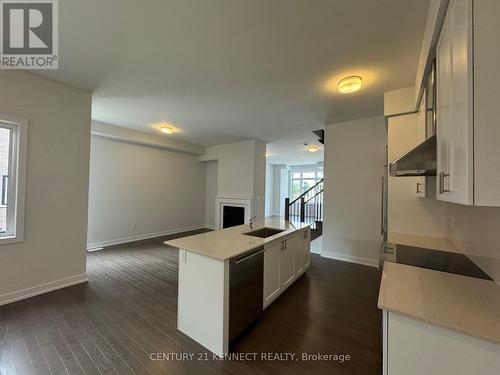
{"points": [[227, 70], [290, 150]]}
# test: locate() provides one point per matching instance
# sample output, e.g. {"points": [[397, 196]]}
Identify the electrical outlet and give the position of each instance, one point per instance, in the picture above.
{"points": [[133, 226]]}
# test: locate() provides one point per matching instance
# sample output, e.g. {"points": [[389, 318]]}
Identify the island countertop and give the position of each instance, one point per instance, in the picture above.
{"points": [[230, 242], [464, 304]]}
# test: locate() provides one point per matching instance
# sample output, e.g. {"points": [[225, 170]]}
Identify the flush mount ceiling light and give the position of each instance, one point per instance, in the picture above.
{"points": [[167, 129], [350, 84], [311, 148]]}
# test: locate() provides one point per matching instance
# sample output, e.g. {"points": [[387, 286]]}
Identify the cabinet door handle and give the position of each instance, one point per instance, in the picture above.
{"points": [[419, 184], [442, 189]]}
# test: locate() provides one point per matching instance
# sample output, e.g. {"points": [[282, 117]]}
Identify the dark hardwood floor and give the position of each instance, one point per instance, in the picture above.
{"points": [[128, 311]]}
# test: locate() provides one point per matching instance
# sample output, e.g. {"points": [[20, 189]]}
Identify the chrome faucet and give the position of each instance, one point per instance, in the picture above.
{"points": [[252, 221]]}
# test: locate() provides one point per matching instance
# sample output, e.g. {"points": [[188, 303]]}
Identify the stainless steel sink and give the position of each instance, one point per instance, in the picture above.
{"points": [[264, 232]]}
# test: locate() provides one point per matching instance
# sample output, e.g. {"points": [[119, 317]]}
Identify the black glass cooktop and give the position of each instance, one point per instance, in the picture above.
{"points": [[439, 260]]}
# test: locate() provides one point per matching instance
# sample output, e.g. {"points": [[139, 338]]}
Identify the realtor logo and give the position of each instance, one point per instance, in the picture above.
{"points": [[29, 34]]}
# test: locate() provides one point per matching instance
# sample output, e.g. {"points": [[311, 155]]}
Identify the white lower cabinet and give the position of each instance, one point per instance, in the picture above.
{"points": [[287, 261], [284, 261], [413, 347], [298, 254], [272, 282], [306, 248]]}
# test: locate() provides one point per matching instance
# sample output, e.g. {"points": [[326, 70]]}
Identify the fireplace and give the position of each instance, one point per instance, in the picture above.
{"points": [[233, 216], [232, 210]]}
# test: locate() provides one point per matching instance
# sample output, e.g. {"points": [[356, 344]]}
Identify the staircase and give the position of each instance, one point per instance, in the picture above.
{"points": [[308, 208]]}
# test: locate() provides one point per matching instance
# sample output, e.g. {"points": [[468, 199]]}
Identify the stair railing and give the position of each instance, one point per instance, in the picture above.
{"points": [[308, 206]]}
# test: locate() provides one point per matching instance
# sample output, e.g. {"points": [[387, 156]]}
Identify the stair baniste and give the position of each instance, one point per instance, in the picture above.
{"points": [[307, 208]]}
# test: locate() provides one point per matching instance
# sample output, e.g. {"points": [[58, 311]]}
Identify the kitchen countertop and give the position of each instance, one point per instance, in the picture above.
{"points": [[464, 304], [228, 243]]}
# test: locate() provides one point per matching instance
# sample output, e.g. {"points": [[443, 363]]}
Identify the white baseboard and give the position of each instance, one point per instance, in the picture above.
{"points": [[350, 258], [99, 245], [42, 288]]}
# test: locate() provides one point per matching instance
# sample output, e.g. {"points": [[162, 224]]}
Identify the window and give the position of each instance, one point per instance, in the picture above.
{"points": [[13, 138], [304, 180]]}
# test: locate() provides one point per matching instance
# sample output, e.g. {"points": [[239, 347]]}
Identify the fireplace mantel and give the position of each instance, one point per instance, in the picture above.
{"points": [[235, 201]]}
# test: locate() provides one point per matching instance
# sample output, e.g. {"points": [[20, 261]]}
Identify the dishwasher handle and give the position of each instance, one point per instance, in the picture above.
{"points": [[245, 257]]}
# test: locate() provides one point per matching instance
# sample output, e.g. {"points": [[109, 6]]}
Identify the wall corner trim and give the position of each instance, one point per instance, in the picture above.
{"points": [[32, 291]]}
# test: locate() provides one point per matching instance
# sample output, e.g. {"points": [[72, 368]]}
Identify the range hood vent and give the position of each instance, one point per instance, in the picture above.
{"points": [[421, 161]]}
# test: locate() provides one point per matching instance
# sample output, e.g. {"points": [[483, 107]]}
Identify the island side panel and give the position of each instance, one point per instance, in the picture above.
{"points": [[202, 311]]}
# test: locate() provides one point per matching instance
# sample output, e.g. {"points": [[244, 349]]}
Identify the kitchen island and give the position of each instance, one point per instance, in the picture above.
{"points": [[227, 277]]}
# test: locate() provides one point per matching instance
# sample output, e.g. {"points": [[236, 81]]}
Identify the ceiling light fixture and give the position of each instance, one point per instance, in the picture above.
{"points": [[350, 84], [166, 130], [311, 148]]}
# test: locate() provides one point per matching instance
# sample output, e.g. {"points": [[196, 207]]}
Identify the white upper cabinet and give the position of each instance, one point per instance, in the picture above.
{"points": [[486, 103], [421, 135], [468, 135], [455, 147]]}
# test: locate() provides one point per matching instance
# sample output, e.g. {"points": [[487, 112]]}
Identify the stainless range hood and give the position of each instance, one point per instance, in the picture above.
{"points": [[421, 161]]}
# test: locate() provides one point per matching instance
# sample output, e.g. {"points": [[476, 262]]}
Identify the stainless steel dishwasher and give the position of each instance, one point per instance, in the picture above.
{"points": [[246, 280]]}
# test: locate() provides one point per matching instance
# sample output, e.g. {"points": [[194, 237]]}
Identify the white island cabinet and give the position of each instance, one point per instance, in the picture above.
{"points": [[284, 261], [206, 266]]}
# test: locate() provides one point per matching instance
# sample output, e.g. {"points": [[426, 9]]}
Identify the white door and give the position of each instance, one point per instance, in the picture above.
{"points": [[272, 282], [287, 261]]}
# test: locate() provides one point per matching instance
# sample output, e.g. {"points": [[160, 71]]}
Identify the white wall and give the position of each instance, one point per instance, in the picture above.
{"points": [[210, 193], [53, 252], [282, 188], [155, 190], [408, 213], [236, 167], [259, 180], [476, 232], [354, 162], [241, 171], [275, 190], [269, 190]]}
